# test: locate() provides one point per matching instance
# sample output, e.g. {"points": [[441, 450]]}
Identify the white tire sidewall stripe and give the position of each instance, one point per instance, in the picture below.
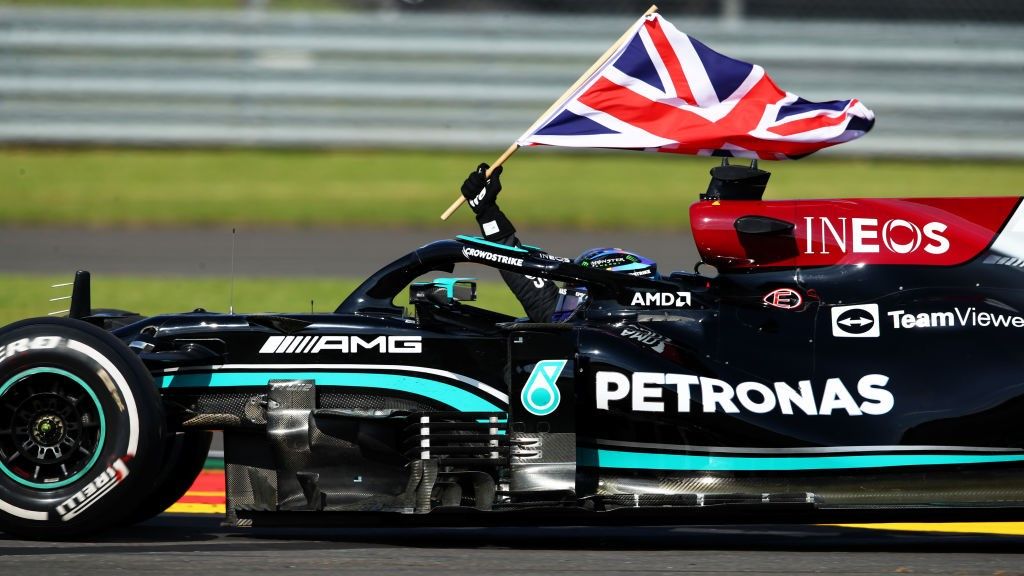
{"points": [[22, 513], [122, 385]]}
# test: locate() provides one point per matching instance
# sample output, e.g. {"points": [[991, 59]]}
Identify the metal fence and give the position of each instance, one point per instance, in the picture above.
{"points": [[408, 80]]}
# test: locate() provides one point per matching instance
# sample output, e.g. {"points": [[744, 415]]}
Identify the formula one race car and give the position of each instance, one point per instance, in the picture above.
{"points": [[850, 359]]}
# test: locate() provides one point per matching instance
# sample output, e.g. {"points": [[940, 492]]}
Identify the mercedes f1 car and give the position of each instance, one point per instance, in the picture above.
{"points": [[850, 358]]}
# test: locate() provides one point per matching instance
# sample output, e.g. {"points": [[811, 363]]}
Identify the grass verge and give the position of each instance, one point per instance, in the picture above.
{"points": [[616, 190], [27, 295]]}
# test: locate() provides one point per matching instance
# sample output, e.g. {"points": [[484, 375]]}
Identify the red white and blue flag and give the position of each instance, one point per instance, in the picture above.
{"points": [[664, 91]]}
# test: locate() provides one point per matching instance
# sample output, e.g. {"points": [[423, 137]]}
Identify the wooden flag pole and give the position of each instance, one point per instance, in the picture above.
{"points": [[561, 100]]}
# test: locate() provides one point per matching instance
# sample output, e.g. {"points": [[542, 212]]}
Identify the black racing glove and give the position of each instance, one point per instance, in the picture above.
{"points": [[480, 193]]}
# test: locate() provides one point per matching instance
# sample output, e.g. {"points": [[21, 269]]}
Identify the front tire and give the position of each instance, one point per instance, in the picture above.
{"points": [[81, 429]]}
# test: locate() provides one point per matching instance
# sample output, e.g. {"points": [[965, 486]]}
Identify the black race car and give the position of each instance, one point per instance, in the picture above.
{"points": [[850, 359]]}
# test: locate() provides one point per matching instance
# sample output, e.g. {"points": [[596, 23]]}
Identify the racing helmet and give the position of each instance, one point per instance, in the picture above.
{"points": [[611, 259], [618, 260]]}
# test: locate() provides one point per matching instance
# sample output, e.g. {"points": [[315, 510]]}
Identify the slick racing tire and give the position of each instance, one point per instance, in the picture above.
{"points": [[81, 429], [184, 456]]}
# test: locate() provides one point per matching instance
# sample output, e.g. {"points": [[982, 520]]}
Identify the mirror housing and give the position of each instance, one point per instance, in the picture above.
{"points": [[443, 291]]}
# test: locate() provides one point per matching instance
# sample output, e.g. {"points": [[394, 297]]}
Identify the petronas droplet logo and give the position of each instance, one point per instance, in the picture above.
{"points": [[540, 396]]}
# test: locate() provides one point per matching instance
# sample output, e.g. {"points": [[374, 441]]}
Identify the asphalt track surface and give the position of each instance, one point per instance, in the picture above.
{"points": [[173, 544], [274, 252]]}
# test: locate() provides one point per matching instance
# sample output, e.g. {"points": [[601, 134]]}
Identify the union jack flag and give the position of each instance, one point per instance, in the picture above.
{"points": [[664, 91]]}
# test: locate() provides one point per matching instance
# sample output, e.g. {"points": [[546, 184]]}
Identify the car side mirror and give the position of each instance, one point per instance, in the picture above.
{"points": [[443, 291]]}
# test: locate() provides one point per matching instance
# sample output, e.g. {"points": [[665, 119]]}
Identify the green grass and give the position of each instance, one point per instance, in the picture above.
{"points": [[27, 295], [144, 188]]}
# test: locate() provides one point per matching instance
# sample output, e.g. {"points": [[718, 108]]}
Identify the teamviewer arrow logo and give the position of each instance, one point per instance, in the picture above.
{"points": [[855, 321]]}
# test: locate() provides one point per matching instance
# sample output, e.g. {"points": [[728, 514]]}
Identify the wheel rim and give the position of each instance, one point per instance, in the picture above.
{"points": [[52, 428]]}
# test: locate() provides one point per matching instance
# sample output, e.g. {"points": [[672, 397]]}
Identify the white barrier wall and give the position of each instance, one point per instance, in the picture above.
{"points": [[461, 81]]}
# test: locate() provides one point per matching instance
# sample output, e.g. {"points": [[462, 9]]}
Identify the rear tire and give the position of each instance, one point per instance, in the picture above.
{"points": [[186, 454], [81, 429]]}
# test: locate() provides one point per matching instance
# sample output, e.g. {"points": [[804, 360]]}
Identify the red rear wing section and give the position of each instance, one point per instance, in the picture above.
{"points": [[733, 234]]}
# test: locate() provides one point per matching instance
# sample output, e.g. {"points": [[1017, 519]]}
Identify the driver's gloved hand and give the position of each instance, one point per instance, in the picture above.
{"points": [[480, 193]]}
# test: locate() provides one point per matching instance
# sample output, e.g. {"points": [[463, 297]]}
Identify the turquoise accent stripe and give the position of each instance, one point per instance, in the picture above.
{"points": [[690, 462], [449, 284], [478, 240], [500, 421], [453, 396], [99, 443], [628, 267]]}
